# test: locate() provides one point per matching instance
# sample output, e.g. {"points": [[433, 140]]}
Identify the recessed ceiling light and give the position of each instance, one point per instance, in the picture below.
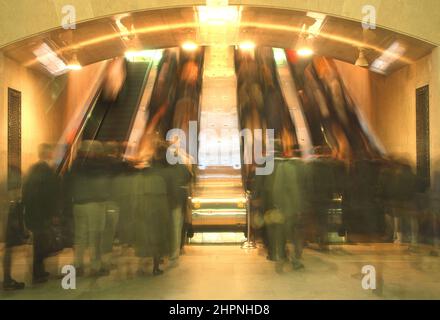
{"points": [[189, 46], [305, 52], [74, 64], [304, 47], [247, 45]]}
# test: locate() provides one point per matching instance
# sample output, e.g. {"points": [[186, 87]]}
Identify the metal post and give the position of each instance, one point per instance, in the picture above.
{"points": [[250, 242]]}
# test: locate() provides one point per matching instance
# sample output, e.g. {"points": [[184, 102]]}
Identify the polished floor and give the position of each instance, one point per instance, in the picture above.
{"points": [[229, 272]]}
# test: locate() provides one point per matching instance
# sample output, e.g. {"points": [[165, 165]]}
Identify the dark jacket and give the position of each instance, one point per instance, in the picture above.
{"points": [[40, 195], [89, 181]]}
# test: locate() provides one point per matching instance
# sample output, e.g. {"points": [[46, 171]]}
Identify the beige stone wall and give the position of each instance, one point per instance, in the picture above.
{"points": [[395, 106], [35, 100]]}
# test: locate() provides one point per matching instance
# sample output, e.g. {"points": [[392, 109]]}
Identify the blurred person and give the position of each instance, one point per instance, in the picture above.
{"points": [[89, 192], [123, 186], [290, 197], [364, 211], [435, 207], [405, 200], [387, 186], [114, 79], [16, 234], [322, 180], [185, 112], [274, 220], [115, 166], [40, 196], [154, 193], [164, 92], [181, 177]]}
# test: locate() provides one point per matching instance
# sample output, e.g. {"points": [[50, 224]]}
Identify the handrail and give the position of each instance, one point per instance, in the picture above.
{"points": [[66, 159], [138, 103], [61, 168]]}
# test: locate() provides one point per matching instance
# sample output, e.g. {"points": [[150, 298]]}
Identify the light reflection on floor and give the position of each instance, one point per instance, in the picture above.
{"points": [[228, 272]]}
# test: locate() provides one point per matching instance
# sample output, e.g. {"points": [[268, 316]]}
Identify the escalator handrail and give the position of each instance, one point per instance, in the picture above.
{"points": [[95, 97], [139, 99], [64, 162]]}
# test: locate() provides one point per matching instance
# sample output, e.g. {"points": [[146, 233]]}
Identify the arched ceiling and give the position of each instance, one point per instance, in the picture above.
{"points": [[20, 19], [112, 35]]}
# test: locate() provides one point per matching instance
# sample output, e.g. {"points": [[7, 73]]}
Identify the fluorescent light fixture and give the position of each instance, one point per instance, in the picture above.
{"points": [[247, 45], [49, 59], [123, 30], [189, 46], [315, 28], [218, 15], [393, 53]]}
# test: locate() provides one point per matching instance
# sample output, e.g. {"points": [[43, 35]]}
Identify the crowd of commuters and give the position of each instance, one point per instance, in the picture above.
{"points": [[138, 204], [379, 200], [141, 203]]}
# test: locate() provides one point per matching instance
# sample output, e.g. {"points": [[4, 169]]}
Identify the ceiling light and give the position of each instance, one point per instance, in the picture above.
{"points": [[247, 45], [305, 52], [189, 46], [218, 15], [74, 64], [361, 61], [315, 28], [304, 47]]}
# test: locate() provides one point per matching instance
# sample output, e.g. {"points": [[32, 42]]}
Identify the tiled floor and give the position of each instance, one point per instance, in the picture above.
{"points": [[228, 272]]}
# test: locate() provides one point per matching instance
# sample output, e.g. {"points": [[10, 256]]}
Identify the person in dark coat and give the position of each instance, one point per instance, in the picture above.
{"points": [[40, 198], [181, 178], [154, 192], [15, 235], [274, 219], [289, 196], [89, 192]]}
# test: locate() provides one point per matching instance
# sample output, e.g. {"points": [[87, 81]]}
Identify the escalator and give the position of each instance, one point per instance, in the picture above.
{"points": [[112, 120], [218, 202], [290, 95], [331, 114]]}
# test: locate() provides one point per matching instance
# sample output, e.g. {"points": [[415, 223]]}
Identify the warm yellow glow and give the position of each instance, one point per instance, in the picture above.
{"points": [[154, 55], [74, 67], [218, 200], [260, 25], [304, 52], [247, 45], [219, 15], [189, 46], [280, 56], [217, 237], [74, 64]]}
